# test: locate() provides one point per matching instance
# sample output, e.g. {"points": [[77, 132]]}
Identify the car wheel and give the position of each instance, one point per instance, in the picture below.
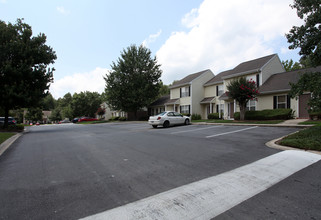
{"points": [[154, 126], [186, 122], [166, 124]]}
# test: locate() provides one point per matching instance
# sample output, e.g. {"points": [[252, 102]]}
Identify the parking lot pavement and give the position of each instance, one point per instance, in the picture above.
{"points": [[73, 171]]}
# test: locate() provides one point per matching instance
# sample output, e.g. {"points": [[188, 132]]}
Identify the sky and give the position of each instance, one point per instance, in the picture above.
{"points": [[186, 36]]}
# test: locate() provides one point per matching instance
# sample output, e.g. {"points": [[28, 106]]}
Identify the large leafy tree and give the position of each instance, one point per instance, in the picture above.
{"points": [[134, 81], [309, 82], [24, 73], [242, 91], [307, 37], [86, 103]]}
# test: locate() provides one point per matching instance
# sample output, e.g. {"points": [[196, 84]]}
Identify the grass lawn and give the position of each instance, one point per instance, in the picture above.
{"points": [[5, 135], [240, 122], [307, 139], [318, 122]]}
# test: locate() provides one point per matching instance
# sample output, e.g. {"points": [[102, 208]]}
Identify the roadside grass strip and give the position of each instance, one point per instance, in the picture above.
{"points": [[212, 196], [231, 132]]}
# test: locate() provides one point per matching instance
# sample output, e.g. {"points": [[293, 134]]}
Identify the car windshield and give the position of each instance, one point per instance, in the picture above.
{"points": [[161, 114]]}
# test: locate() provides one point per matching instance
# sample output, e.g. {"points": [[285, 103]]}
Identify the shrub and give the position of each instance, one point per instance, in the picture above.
{"points": [[315, 115], [18, 127], [114, 118], [213, 116], [268, 114], [122, 119], [196, 117], [186, 114]]}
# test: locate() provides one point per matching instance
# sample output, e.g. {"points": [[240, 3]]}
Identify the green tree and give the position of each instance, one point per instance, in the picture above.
{"points": [[164, 89], [56, 114], [134, 81], [289, 65], [86, 103], [242, 91], [307, 37], [309, 82], [48, 103], [24, 59], [34, 114]]}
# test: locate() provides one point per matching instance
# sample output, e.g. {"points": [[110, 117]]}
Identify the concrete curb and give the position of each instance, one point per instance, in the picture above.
{"points": [[5, 145], [260, 125], [272, 144]]}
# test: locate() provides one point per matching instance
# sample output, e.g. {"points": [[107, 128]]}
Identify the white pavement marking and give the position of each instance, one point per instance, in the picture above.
{"points": [[210, 197], [197, 129], [230, 132]]}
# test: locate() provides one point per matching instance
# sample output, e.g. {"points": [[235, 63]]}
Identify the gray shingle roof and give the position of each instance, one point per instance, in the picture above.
{"points": [[188, 79], [161, 101], [280, 82], [207, 100], [218, 78], [243, 68]]}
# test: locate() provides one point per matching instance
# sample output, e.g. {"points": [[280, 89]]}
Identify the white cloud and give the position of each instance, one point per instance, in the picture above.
{"points": [[152, 38], [221, 34], [92, 81], [62, 10]]}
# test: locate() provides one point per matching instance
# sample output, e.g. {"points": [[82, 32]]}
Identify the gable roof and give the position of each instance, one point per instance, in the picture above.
{"points": [[188, 79], [280, 82], [252, 66], [218, 78]]}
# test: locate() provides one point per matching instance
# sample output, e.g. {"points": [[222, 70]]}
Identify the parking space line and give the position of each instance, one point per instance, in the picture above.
{"points": [[230, 132], [212, 196], [177, 132]]}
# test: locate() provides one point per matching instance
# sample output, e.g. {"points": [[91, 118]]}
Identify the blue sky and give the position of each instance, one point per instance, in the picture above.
{"points": [[186, 35]]}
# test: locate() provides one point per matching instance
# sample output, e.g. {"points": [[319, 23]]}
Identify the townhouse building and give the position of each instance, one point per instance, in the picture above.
{"points": [[204, 93]]}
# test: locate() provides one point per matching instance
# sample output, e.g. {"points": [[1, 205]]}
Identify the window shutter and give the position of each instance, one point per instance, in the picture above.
{"points": [[216, 90], [180, 92], [275, 102], [189, 91], [257, 80], [288, 102], [217, 109], [189, 109]]}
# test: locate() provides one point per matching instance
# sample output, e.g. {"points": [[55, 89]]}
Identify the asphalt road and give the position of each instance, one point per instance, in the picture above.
{"points": [[73, 171]]}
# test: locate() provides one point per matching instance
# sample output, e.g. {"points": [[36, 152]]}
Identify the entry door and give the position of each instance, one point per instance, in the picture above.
{"points": [[303, 105], [232, 110]]}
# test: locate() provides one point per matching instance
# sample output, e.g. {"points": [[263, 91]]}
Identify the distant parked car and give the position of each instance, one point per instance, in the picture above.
{"points": [[167, 119], [75, 120], [11, 121], [87, 119], [64, 121]]}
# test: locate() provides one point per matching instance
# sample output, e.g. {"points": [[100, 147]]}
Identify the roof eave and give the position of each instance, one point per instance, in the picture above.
{"points": [[274, 91], [241, 74]]}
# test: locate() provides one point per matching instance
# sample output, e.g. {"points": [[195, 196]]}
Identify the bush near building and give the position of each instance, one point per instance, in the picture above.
{"points": [[268, 114], [213, 116]]}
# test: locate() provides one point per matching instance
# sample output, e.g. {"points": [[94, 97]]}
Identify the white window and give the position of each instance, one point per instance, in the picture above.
{"points": [[251, 105], [220, 90], [185, 109], [185, 91], [281, 101]]}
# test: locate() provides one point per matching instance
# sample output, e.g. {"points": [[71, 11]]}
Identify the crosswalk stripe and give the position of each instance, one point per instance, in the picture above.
{"points": [[212, 196]]}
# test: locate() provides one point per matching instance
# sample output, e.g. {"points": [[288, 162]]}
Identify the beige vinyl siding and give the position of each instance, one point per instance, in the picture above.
{"points": [[209, 91], [272, 67], [175, 93]]}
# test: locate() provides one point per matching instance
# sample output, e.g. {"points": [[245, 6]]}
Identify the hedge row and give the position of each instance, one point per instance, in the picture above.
{"points": [[213, 116], [268, 114]]}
